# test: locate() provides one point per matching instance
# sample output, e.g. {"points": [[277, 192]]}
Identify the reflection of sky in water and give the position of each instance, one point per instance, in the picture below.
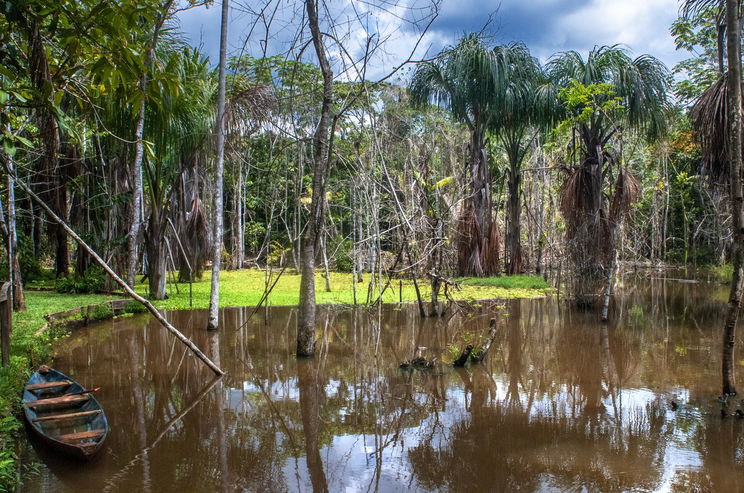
{"points": [[572, 412], [351, 460]]}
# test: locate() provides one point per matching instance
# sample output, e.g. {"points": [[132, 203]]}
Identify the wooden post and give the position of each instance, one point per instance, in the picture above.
{"points": [[6, 322]]}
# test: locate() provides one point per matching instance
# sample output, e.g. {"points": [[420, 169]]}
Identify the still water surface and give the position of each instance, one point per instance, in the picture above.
{"points": [[562, 403]]}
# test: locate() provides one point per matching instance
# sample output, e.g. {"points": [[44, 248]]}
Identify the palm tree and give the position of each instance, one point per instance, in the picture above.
{"points": [[180, 115], [525, 102], [463, 79], [717, 118], [620, 92]]}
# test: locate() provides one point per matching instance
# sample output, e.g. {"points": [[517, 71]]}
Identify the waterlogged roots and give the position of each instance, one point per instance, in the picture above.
{"points": [[592, 222], [477, 252]]}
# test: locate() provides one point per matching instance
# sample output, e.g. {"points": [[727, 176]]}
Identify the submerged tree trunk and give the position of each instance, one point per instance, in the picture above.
{"points": [[310, 407], [733, 39], [306, 317], [214, 298]]}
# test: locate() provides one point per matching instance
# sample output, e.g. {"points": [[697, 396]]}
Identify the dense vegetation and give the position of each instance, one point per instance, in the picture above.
{"points": [[485, 161]]}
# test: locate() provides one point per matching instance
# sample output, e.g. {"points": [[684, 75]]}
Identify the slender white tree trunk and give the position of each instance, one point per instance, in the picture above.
{"points": [[19, 301], [214, 298]]}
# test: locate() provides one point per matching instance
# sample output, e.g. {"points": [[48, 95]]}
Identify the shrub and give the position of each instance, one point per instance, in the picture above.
{"points": [[92, 281], [134, 307]]}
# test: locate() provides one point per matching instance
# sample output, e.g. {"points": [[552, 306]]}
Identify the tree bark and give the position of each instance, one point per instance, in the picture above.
{"points": [[156, 268], [514, 232], [135, 211], [478, 254], [306, 317], [214, 297], [733, 40], [19, 300]]}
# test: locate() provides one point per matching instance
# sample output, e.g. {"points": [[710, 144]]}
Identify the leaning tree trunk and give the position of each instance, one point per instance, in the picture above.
{"points": [[733, 40], [214, 298], [310, 243]]}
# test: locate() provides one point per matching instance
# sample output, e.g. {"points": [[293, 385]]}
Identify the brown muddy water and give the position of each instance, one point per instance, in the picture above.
{"points": [[562, 403]]}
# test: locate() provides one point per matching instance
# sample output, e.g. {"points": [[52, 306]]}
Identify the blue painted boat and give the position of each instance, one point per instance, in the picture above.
{"points": [[64, 414]]}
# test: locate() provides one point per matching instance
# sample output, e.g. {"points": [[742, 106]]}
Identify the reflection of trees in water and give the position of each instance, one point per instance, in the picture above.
{"points": [[502, 448], [546, 407]]}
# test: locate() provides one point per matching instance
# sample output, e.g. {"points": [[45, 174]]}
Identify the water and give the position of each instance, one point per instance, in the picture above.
{"points": [[562, 403]]}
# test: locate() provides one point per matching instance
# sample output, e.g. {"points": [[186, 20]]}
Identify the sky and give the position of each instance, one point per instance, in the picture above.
{"points": [[545, 26]]}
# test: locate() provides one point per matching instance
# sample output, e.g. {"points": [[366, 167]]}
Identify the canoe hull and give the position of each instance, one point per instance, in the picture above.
{"points": [[73, 426]]}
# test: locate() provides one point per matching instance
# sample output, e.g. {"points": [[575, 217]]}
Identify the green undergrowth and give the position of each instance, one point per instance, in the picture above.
{"points": [[723, 273]]}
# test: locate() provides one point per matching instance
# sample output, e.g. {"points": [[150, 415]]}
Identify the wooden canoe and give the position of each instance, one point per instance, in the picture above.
{"points": [[62, 417]]}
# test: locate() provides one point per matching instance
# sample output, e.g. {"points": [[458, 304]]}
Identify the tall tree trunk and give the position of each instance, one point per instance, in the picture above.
{"points": [[214, 297], [733, 40], [478, 253], [306, 317], [513, 232], [156, 270], [19, 300], [52, 186]]}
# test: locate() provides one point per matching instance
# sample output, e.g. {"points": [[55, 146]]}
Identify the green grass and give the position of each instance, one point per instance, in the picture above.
{"points": [[506, 282], [245, 287]]}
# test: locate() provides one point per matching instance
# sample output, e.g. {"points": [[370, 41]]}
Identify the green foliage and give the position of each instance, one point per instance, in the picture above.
{"points": [[723, 273], [584, 102], [92, 281], [698, 35], [344, 256], [100, 312]]}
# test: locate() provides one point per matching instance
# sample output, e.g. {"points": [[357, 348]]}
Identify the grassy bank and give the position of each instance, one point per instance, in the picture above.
{"points": [[238, 288], [245, 287]]}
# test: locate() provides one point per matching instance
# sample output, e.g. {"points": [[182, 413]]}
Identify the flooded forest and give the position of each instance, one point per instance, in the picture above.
{"points": [[355, 246]]}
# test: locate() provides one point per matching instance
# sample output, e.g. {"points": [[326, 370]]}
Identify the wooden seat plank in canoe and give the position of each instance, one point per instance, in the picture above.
{"points": [[83, 435], [49, 385], [58, 417], [59, 402]]}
